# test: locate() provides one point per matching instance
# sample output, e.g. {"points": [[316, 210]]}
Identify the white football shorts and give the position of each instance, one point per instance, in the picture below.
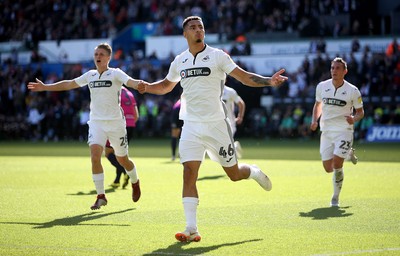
{"points": [[115, 131], [335, 143], [215, 138]]}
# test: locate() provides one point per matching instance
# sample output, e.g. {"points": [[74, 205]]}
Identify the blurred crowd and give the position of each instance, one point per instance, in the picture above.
{"points": [[33, 21], [293, 121], [63, 115], [377, 75]]}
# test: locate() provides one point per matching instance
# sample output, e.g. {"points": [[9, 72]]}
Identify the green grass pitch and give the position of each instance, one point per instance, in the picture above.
{"points": [[46, 191]]}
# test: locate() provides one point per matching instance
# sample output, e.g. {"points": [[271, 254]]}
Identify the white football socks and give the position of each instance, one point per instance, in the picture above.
{"points": [[133, 175], [337, 180], [253, 172], [190, 208], [98, 180]]}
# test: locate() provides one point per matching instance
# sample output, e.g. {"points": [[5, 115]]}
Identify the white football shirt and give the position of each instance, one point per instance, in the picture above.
{"points": [[337, 104], [202, 78], [105, 90]]}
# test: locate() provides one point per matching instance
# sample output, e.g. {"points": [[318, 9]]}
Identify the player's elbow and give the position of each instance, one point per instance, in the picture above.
{"points": [[166, 89]]}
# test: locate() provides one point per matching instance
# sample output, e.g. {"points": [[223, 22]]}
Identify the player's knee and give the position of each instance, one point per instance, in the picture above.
{"points": [[328, 168], [95, 159], [337, 162], [189, 184], [124, 160]]}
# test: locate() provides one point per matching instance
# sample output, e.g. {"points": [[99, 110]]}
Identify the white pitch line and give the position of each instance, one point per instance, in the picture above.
{"points": [[359, 252]]}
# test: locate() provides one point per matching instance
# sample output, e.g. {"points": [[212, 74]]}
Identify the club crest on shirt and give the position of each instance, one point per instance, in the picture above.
{"points": [[205, 59], [194, 72]]}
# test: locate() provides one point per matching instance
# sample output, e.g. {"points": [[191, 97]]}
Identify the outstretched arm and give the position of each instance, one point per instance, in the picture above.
{"points": [[133, 83], [255, 80], [161, 87], [63, 85]]}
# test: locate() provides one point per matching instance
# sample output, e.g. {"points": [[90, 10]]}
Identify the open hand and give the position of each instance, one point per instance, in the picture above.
{"points": [[37, 86]]}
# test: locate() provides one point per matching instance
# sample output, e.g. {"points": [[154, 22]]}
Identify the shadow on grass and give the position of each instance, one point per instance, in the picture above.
{"points": [[178, 249], [215, 177], [93, 192], [326, 213], [74, 220]]}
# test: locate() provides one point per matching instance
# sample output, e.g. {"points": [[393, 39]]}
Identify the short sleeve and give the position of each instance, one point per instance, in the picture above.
{"points": [[226, 62], [318, 93], [357, 99], [173, 74], [82, 80], [121, 76]]}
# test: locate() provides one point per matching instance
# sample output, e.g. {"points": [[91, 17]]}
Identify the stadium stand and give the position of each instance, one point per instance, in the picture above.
{"points": [[25, 23]]}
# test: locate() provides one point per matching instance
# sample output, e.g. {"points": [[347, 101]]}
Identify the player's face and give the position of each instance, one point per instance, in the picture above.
{"points": [[101, 58], [194, 31], [338, 71]]}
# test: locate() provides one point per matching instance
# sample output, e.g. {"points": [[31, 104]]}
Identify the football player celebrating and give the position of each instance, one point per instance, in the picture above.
{"points": [[201, 71], [107, 121], [335, 101]]}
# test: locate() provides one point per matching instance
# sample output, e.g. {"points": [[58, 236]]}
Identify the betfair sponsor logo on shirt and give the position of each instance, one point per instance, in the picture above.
{"points": [[193, 72], [98, 84], [335, 102]]}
